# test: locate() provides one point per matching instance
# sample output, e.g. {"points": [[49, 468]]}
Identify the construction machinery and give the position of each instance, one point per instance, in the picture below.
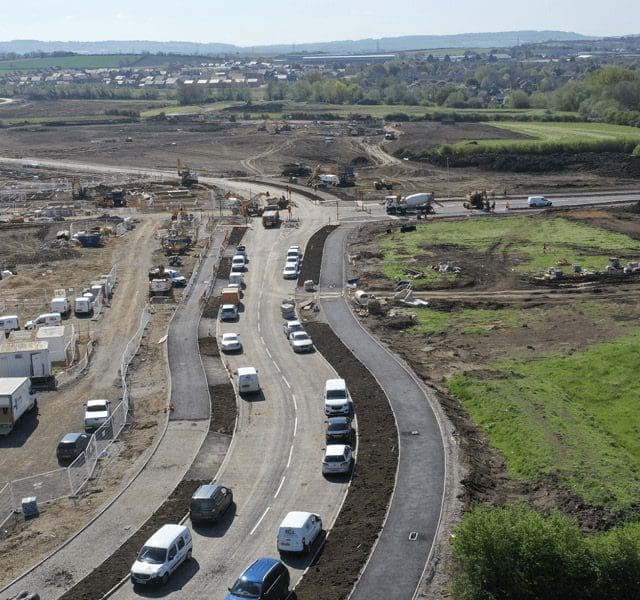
{"points": [[420, 203], [477, 201], [187, 178], [78, 191], [382, 184], [341, 176]]}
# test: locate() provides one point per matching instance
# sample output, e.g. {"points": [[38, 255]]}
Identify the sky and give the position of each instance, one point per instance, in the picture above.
{"points": [[260, 22]]}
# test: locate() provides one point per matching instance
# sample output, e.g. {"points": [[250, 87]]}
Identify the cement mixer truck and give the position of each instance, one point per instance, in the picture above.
{"points": [[399, 205]]}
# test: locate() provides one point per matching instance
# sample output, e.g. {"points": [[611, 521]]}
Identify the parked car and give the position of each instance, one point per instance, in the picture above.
{"points": [[228, 312], [298, 531], [238, 263], [44, 319], [162, 554], [248, 381], [177, 278], [337, 400], [290, 271], [263, 579], [300, 341], [209, 503], [338, 430], [230, 342], [337, 459], [71, 446], [290, 326], [96, 414], [242, 251]]}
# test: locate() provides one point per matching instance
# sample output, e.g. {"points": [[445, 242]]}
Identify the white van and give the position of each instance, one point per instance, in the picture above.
{"points": [[538, 201], [83, 305], [9, 323], [61, 304], [298, 531], [337, 401], [248, 382], [44, 319], [162, 554]]}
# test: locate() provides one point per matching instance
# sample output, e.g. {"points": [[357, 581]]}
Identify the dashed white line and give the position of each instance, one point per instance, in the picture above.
{"points": [[295, 427], [295, 404], [286, 382], [264, 514], [275, 364], [279, 487], [290, 456], [268, 353], [262, 340]]}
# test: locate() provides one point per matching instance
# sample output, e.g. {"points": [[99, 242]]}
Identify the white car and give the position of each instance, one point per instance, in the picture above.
{"points": [[96, 414], [300, 341], [290, 271], [337, 459], [230, 342], [538, 201], [290, 326], [228, 312]]}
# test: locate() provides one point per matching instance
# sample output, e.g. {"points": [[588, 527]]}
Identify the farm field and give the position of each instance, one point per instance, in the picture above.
{"points": [[92, 61]]}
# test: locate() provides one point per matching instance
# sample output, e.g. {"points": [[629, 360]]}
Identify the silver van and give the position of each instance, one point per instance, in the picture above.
{"points": [[162, 554], [44, 319], [538, 201], [209, 503], [9, 323]]}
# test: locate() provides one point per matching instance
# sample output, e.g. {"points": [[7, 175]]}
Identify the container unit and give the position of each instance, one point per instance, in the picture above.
{"points": [[27, 359], [56, 341], [16, 398]]}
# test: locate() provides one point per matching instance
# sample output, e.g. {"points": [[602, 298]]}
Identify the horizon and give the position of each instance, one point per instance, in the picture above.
{"points": [[319, 21]]}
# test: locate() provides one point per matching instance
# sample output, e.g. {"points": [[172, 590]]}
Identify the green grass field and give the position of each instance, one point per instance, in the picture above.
{"points": [[80, 61], [515, 238], [572, 417], [571, 132]]}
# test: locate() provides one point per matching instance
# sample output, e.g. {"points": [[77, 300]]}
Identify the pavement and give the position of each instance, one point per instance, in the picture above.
{"points": [[407, 539]]}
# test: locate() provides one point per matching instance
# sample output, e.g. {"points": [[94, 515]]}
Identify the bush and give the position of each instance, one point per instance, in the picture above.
{"points": [[515, 552]]}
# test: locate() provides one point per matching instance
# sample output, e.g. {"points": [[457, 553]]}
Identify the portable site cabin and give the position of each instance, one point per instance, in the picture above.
{"points": [[27, 359], [56, 341]]}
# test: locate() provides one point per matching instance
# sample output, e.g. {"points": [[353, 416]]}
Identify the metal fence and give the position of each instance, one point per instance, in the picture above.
{"points": [[68, 481]]}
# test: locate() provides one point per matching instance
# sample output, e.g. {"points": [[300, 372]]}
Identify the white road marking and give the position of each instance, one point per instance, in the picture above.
{"points": [[264, 514], [295, 404], [268, 353], [279, 487], [290, 456], [275, 364], [295, 427], [262, 340], [286, 382]]}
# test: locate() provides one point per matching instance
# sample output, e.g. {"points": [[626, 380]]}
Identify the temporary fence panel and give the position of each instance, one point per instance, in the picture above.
{"points": [[6, 502], [45, 486]]}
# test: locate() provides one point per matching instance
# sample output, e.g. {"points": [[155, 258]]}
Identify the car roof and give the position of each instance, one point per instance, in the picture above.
{"points": [[293, 322], [228, 306], [295, 519], [206, 491], [335, 449], [256, 571], [71, 438], [97, 402], [335, 384], [246, 371], [339, 420], [165, 535], [230, 335]]}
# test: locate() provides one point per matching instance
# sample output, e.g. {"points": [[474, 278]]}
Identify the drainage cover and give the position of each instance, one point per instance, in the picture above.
{"points": [[413, 536]]}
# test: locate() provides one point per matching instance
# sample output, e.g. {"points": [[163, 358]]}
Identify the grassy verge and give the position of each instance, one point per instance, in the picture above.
{"points": [[530, 246], [571, 417]]}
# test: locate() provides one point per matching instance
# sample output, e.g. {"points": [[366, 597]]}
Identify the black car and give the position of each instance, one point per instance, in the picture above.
{"points": [[72, 445], [339, 429]]}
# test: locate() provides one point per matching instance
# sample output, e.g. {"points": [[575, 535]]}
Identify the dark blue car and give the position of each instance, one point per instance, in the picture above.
{"points": [[265, 579]]}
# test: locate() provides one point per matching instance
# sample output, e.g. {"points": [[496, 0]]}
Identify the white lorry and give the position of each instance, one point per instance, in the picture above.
{"points": [[399, 205], [16, 398]]}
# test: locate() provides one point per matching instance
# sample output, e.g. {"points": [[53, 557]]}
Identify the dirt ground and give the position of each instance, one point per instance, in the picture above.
{"points": [[223, 149]]}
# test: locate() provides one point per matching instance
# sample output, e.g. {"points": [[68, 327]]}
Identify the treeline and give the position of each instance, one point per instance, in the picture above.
{"points": [[515, 552], [82, 92]]}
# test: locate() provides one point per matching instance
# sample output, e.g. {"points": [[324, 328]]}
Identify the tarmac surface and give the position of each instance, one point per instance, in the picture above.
{"points": [[406, 541]]}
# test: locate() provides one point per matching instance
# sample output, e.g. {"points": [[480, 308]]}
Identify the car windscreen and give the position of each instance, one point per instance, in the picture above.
{"points": [[336, 395], [97, 408], [246, 589], [152, 555], [334, 459]]}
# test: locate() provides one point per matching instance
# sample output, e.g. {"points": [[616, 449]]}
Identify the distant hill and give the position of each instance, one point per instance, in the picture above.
{"points": [[387, 44]]}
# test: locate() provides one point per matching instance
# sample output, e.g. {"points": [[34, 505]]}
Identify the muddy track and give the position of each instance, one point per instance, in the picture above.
{"points": [[249, 163]]}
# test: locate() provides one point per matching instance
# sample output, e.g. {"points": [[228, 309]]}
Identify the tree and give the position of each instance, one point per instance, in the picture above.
{"points": [[519, 99]]}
